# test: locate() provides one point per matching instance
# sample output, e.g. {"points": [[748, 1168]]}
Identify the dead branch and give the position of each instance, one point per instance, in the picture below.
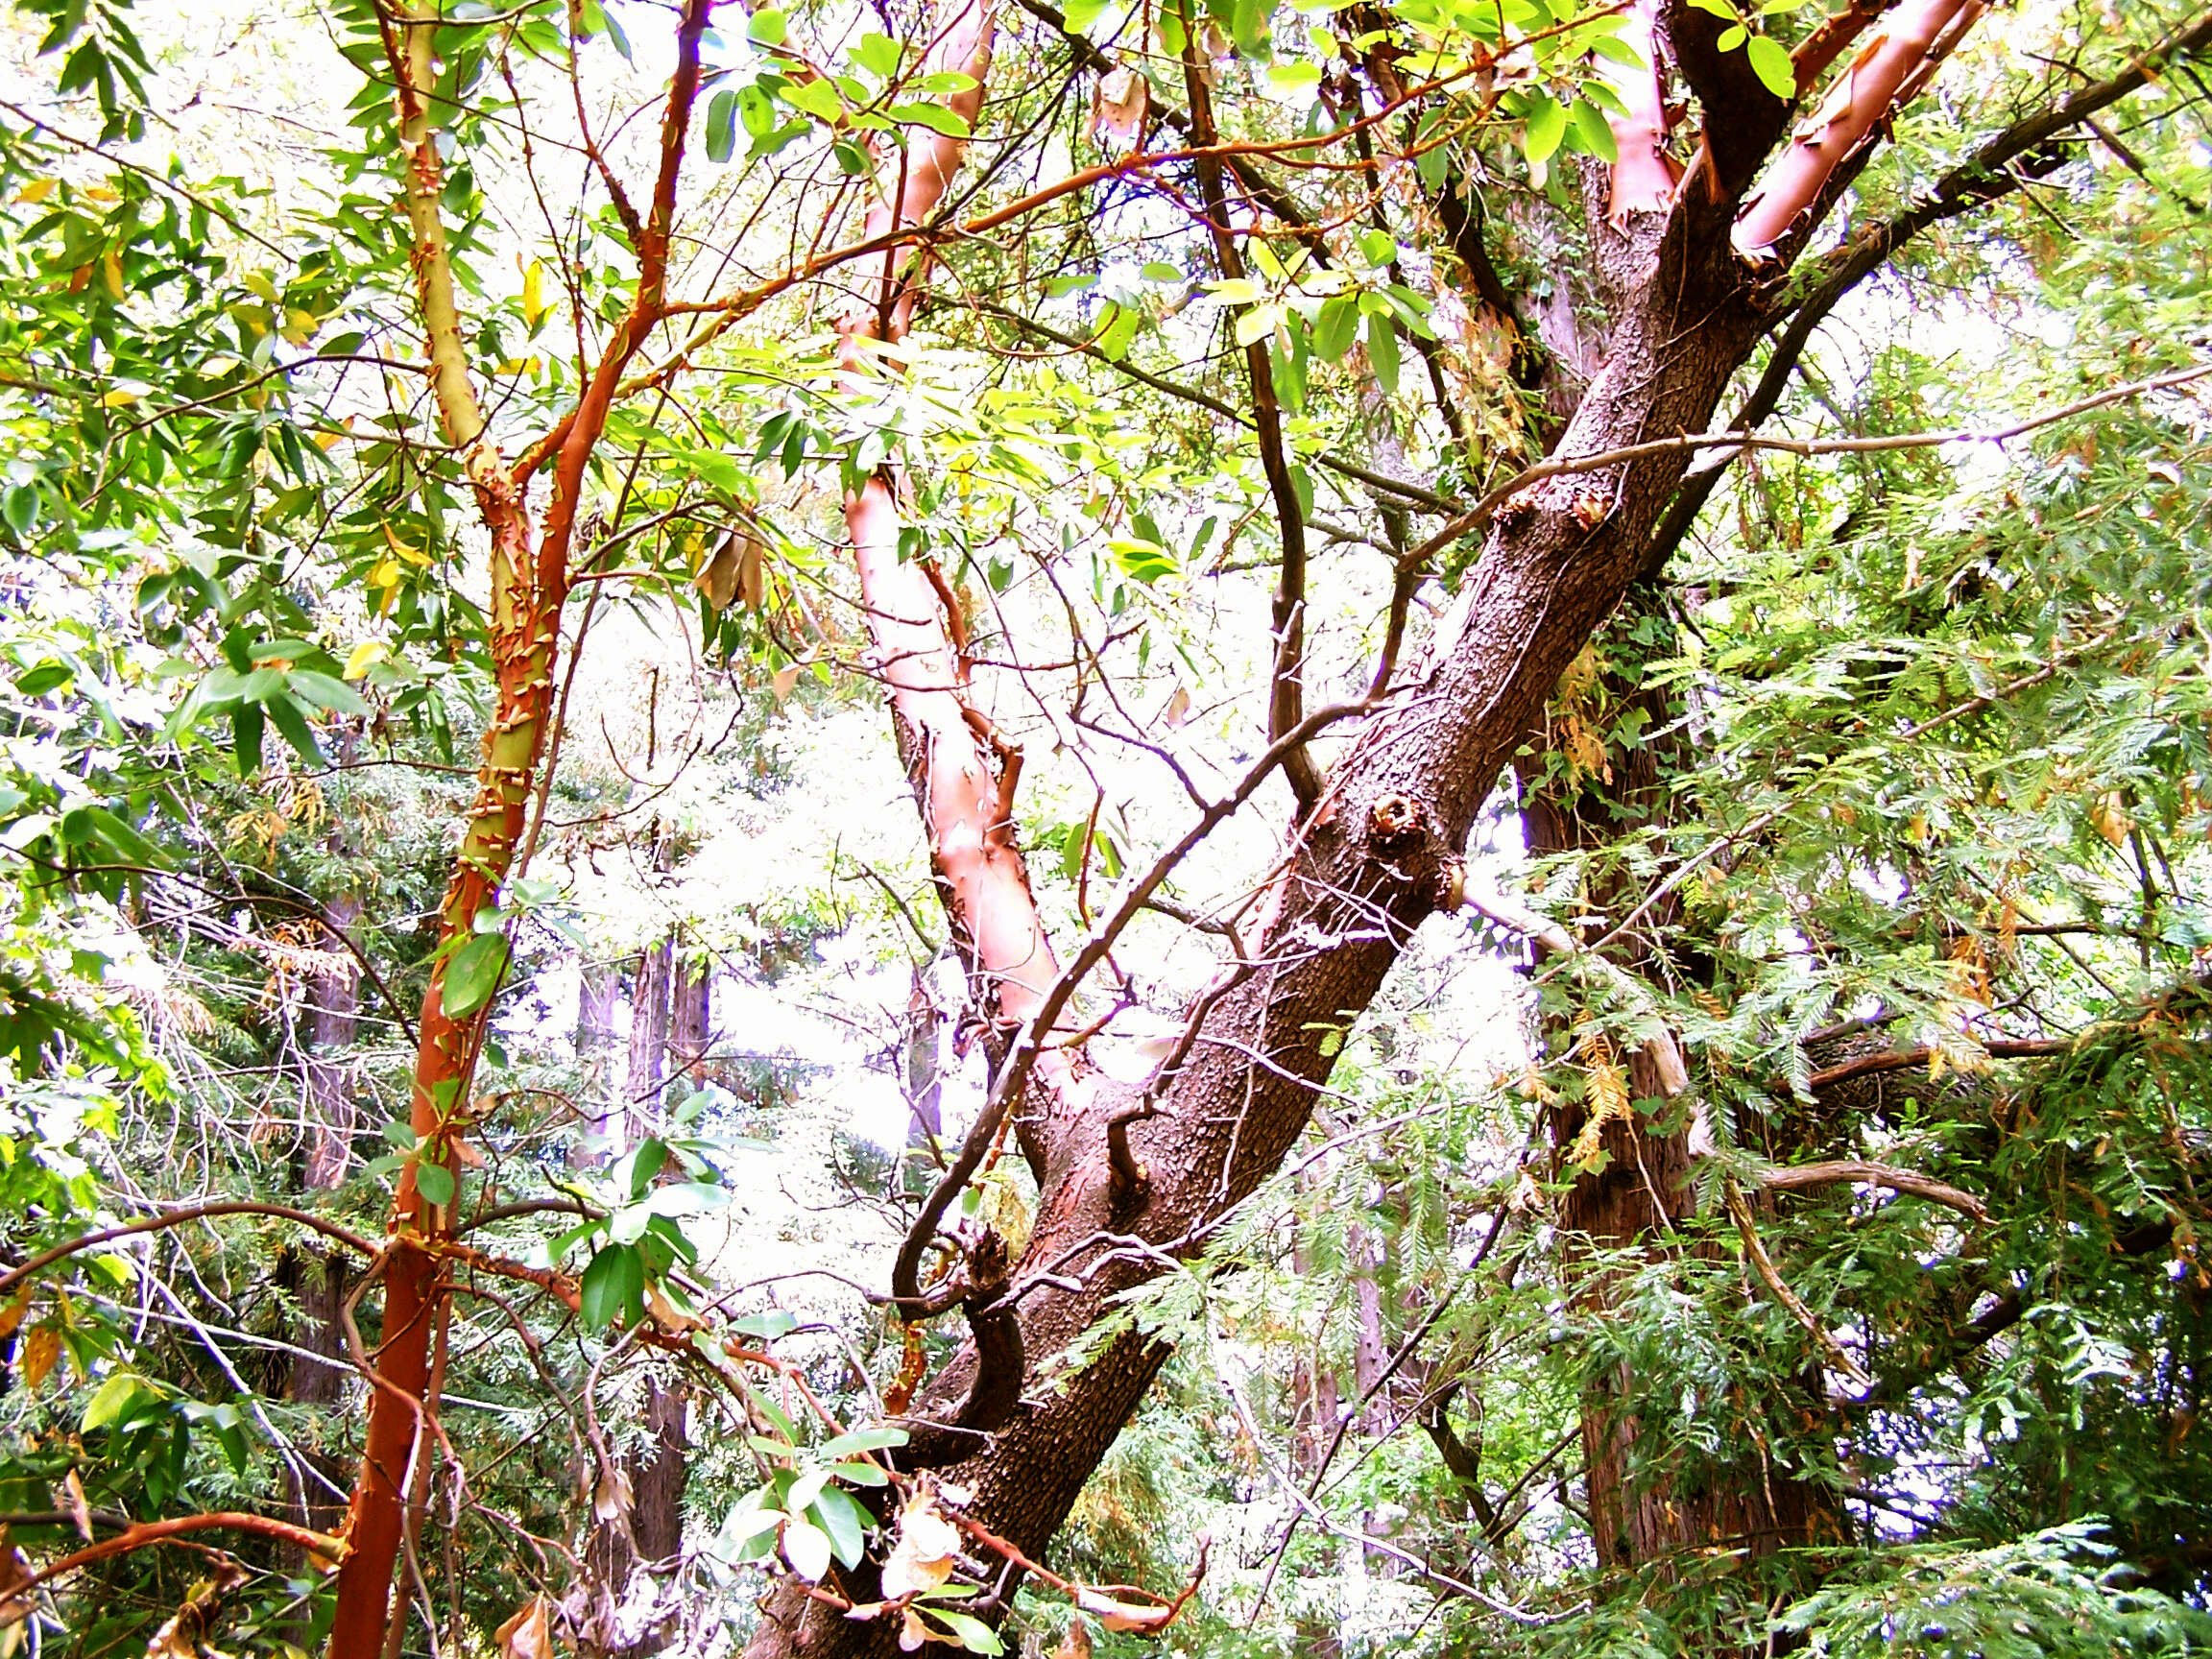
{"points": [[1802, 1177]]}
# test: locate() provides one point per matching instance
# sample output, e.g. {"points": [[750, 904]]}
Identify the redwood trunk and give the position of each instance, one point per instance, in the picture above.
{"points": [[627, 1616]]}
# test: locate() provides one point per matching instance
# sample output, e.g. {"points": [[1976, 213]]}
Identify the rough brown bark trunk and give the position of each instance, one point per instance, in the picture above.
{"points": [[1644, 1508], [1374, 861]]}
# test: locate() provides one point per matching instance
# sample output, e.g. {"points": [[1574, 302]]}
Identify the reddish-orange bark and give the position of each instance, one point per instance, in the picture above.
{"points": [[528, 589], [1914, 38], [963, 775], [1644, 176]]}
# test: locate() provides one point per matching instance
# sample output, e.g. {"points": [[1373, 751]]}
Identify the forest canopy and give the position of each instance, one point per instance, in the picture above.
{"points": [[1205, 826]]}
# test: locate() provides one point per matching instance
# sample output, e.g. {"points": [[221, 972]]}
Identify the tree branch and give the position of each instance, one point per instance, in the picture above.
{"points": [[140, 1534], [1803, 1177], [179, 1217], [1287, 619], [1860, 99]]}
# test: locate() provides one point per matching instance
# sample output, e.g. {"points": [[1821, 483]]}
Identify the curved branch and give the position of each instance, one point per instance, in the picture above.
{"points": [[140, 1534], [1802, 1177], [1905, 1059], [177, 1218], [1479, 515]]}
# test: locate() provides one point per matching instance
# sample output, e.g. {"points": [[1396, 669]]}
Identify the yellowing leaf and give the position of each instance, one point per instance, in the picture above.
{"points": [[534, 308], [37, 191], [12, 1315], [363, 656], [121, 398], [111, 271], [40, 1350], [1122, 1615], [2111, 817], [529, 1634], [412, 554], [922, 1559], [737, 573]]}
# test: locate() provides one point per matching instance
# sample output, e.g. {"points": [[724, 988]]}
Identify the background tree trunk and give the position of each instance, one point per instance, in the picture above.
{"points": [[319, 1277], [598, 1040], [1645, 1507], [627, 1615]]}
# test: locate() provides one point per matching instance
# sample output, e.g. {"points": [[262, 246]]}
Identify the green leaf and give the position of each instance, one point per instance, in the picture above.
{"points": [[862, 1440], [1383, 353], [434, 1181], [114, 1398], [721, 126], [47, 677], [807, 1547], [878, 54], [1771, 62], [843, 1521], [474, 974], [246, 737], [1594, 132], [975, 1635], [816, 98], [934, 117], [1336, 326], [327, 691], [293, 724], [1546, 126], [613, 1287], [768, 27], [1257, 324]]}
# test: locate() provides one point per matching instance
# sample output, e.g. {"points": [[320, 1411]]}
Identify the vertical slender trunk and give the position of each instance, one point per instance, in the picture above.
{"points": [[649, 987], [924, 1083], [628, 1616], [527, 591], [598, 987], [318, 1279], [690, 1018]]}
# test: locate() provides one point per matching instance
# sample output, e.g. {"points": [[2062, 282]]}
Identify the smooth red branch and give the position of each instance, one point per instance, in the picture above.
{"points": [[140, 1534], [963, 777], [1644, 176], [1909, 47]]}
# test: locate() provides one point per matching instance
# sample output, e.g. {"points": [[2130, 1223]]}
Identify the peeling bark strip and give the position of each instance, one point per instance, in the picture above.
{"points": [[964, 774], [527, 593], [1380, 852]]}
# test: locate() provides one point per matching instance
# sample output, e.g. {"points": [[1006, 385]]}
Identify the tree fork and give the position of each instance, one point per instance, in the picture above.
{"points": [[527, 596], [1558, 557]]}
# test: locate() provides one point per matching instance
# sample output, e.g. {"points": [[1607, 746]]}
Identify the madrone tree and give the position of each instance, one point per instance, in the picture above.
{"points": [[1480, 282]]}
